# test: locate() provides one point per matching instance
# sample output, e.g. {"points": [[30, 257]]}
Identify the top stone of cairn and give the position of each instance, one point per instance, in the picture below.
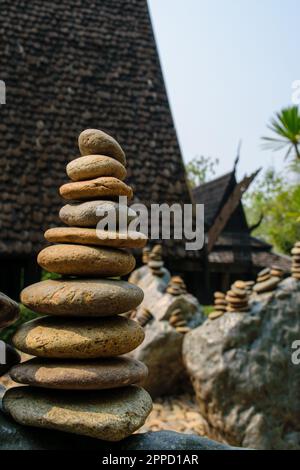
{"points": [[96, 142]]}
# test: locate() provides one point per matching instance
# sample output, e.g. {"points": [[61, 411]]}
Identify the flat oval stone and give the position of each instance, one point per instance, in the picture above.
{"points": [[80, 260], [296, 250], [94, 141], [110, 415], [89, 213], [105, 186], [82, 297], [91, 236], [266, 286], [96, 374], [93, 166], [9, 311], [64, 338]]}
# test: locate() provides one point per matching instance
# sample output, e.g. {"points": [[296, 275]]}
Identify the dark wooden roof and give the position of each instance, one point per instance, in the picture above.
{"points": [[235, 244], [70, 66], [213, 194]]}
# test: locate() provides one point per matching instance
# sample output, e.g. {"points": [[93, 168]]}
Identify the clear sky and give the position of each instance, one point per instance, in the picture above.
{"points": [[228, 66]]}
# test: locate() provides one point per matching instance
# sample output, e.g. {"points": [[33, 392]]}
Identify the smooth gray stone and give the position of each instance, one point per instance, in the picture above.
{"points": [[16, 437]]}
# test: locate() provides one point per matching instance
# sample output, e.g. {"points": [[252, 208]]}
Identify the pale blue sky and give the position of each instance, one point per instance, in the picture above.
{"points": [[228, 65]]}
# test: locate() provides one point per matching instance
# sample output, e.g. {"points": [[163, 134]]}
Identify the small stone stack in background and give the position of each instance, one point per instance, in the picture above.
{"points": [[178, 322], [249, 286], [237, 298], [155, 262], [220, 304], [176, 286], [296, 261], [77, 382], [267, 280]]}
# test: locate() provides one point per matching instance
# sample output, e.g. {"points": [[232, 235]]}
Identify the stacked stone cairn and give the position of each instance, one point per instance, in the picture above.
{"points": [[296, 261], [156, 262], [78, 382], [220, 305], [268, 279], [178, 322], [176, 286], [237, 298]]}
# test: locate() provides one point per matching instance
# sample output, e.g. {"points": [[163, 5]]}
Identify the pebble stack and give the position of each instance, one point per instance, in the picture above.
{"points": [[178, 322], [78, 382], [155, 262], [176, 286], [267, 280], [220, 304], [237, 298], [296, 261]]}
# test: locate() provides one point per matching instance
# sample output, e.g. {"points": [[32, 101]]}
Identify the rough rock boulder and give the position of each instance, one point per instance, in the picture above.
{"points": [[243, 374]]}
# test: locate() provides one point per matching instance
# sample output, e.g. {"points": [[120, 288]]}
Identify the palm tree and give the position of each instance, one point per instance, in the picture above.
{"points": [[286, 124]]}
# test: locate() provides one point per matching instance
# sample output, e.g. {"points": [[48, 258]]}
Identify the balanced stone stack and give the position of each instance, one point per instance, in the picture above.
{"points": [[296, 261], [267, 280], [237, 298], [156, 263], [220, 304], [178, 321], [176, 286], [78, 383]]}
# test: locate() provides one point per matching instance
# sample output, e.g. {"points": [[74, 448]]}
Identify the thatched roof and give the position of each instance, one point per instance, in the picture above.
{"points": [[70, 66]]}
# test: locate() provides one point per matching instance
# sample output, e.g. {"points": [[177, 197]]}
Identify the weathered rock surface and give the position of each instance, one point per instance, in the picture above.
{"points": [[89, 213], [103, 187], [94, 166], [99, 374], [91, 236], [9, 311], [65, 338], [243, 375], [77, 297], [81, 260], [110, 415], [95, 141], [161, 351], [10, 357], [14, 436]]}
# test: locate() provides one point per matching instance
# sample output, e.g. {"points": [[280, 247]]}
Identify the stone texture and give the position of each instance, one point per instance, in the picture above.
{"points": [[64, 338], [91, 236], [78, 297], [11, 358], [9, 311], [243, 375], [80, 375], [103, 187], [161, 352], [78, 260], [94, 166], [84, 214], [110, 415], [95, 141], [13, 436]]}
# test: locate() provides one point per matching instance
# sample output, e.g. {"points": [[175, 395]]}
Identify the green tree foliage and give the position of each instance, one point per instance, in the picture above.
{"points": [[286, 126], [277, 198], [201, 169]]}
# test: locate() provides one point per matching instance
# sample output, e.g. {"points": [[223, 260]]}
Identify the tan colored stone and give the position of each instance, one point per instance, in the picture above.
{"points": [[84, 214], [237, 292], [219, 295], [65, 338], [96, 142], [82, 297], [240, 284], [237, 309], [103, 187], [267, 286], [110, 415], [220, 302], [9, 311], [80, 260], [90, 374], [216, 314], [296, 250], [94, 166], [263, 278], [91, 236]]}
